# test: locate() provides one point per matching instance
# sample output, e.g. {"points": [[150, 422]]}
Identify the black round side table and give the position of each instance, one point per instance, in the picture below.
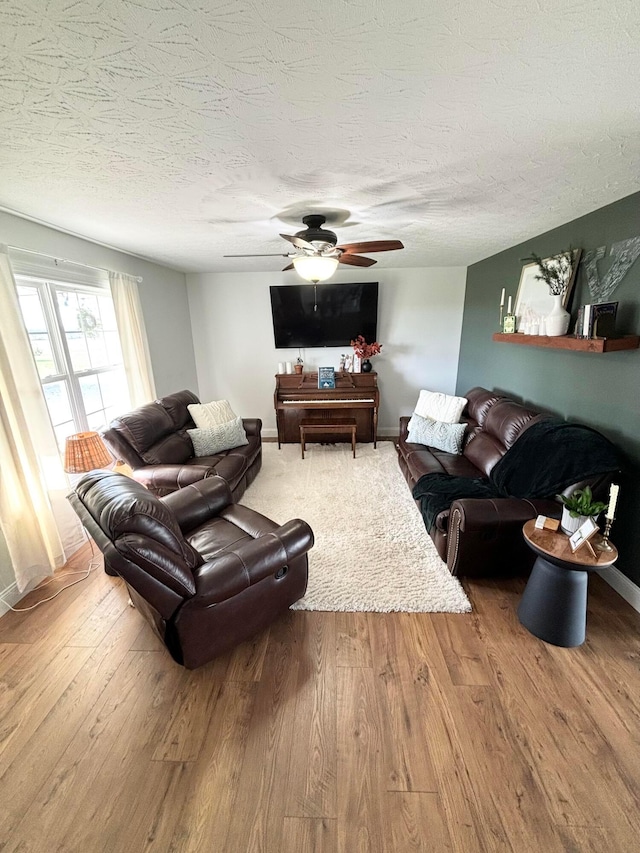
{"points": [[554, 603]]}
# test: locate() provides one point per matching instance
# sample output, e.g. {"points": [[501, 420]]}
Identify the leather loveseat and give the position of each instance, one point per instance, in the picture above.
{"points": [[483, 536], [206, 573], [153, 441]]}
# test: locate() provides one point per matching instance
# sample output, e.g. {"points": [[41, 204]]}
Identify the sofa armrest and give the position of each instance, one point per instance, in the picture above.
{"points": [[485, 534], [478, 513], [171, 477], [403, 432], [197, 503], [252, 561], [252, 426]]}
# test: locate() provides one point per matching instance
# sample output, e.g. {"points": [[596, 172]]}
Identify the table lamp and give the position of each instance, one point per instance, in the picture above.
{"points": [[85, 451]]}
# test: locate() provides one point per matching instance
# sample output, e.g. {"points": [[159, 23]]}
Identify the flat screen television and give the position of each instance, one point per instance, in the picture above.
{"points": [[323, 315]]}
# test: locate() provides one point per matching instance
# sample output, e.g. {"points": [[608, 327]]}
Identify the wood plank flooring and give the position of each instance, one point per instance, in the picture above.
{"points": [[330, 732]]}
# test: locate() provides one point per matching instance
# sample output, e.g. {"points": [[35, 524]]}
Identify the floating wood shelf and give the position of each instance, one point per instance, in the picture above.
{"points": [[571, 343]]}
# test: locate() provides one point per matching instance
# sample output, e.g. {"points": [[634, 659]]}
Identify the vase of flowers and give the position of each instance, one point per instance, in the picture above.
{"points": [[365, 351], [556, 273]]}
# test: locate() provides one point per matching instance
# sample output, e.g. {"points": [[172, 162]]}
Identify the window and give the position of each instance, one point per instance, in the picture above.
{"points": [[75, 343]]}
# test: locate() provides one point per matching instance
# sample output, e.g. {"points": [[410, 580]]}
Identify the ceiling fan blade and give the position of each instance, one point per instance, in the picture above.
{"points": [[272, 255], [298, 242], [288, 267], [371, 246], [356, 260]]}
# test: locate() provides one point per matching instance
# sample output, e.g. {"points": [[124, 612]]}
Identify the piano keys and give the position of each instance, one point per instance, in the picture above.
{"points": [[297, 396]]}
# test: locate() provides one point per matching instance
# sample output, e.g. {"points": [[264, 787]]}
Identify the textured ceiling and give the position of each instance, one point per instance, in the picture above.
{"points": [[183, 130]]}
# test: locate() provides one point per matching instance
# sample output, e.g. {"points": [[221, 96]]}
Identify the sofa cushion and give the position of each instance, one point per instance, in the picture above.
{"points": [[438, 434], [422, 461], [144, 427], [504, 422], [507, 420], [480, 403], [216, 439], [177, 406], [174, 449], [440, 407]]}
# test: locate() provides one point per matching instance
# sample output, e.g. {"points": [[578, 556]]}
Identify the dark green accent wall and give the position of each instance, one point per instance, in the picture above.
{"points": [[602, 391]]}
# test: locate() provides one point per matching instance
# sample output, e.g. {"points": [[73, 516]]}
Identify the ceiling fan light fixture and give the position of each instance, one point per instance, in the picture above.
{"points": [[315, 268]]}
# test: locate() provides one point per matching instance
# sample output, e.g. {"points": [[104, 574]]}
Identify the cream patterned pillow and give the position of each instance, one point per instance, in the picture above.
{"points": [[437, 434], [440, 407], [212, 440], [206, 415]]}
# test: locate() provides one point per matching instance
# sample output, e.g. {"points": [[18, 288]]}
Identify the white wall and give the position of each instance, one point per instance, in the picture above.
{"points": [[419, 325], [162, 293]]}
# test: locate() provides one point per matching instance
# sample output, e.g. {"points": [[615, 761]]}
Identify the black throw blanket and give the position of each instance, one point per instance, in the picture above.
{"points": [[546, 458]]}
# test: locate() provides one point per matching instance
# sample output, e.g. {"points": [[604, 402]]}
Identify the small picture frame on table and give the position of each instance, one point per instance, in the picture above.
{"points": [[582, 536]]}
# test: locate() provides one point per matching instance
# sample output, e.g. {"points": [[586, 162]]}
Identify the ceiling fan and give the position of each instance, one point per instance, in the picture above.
{"points": [[317, 254]]}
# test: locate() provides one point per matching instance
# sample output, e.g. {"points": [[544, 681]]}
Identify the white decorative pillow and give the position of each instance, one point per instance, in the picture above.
{"points": [[442, 436], [206, 415], [212, 440], [440, 407]]}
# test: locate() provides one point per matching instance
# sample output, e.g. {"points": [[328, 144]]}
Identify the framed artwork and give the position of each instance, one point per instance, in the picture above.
{"points": [[534, 293], [582, 535]]}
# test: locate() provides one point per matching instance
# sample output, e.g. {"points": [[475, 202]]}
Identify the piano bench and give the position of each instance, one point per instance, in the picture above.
{"points": [[310, 426]]}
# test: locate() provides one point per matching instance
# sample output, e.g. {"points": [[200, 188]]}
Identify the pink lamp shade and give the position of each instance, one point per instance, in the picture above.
{"points": [[85, 451]]}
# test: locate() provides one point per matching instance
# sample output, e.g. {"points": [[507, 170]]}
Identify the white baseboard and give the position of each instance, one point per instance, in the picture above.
{"points": [[622, 585], [10, 595]]}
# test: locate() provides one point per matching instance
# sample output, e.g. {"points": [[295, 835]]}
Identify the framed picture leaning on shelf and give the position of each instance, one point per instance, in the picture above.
{"points": [[533, 293]]}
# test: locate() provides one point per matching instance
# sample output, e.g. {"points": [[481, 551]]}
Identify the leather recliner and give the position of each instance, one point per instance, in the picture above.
{"points": [[205, 572], [153, 441]]}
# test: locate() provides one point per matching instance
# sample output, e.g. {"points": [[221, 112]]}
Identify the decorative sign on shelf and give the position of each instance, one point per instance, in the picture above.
{"points": [[326, 378], [624, 255]]}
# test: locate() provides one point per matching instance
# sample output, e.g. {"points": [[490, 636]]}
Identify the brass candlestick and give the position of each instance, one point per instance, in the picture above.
{"points": [[604, 544]]}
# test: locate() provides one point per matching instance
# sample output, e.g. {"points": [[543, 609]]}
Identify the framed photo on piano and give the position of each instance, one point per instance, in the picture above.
{"points": [[326, 378]]}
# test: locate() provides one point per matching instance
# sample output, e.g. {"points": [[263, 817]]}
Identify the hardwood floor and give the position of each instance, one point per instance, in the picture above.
{"points": [[330, 732]]}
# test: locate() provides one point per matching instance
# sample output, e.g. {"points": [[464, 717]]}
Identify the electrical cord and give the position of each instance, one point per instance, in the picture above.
{"points": [[93, 564]]}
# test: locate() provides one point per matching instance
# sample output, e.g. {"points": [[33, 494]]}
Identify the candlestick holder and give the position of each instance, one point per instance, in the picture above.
{"points": [[604, 544]]}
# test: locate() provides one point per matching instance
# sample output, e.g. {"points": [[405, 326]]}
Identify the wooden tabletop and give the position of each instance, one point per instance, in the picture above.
{"points": [[556, 544]]}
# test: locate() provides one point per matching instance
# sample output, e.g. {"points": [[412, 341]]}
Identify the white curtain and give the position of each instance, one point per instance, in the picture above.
{"points": [[35, 518], [133, 338]]}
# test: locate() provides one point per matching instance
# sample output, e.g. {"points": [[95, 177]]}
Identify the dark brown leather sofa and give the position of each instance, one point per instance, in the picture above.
{"points": [[206, 573], [479, 537], [153, 440]]}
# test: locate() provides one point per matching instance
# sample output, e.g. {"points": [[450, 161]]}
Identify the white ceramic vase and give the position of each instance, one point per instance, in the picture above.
{"points": [[569, 524], [557, 322]]}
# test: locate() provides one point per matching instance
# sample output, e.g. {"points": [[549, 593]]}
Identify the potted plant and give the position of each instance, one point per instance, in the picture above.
{"points": [[577, 507], [365, 351], [556, 273], [299, 365]]}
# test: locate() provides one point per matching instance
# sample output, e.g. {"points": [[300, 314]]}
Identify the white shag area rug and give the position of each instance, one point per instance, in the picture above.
{"points": [[371, 552]]}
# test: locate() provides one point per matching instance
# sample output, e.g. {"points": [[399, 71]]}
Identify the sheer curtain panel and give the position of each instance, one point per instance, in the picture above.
{"points": [[35, 518], [133, 338]]}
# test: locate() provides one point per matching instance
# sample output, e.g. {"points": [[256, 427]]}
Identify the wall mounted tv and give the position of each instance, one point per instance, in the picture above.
{"points": [[323, 315]]}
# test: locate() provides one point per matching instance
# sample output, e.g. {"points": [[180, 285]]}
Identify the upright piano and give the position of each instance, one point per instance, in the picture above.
{"points": [[297, 396]]}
